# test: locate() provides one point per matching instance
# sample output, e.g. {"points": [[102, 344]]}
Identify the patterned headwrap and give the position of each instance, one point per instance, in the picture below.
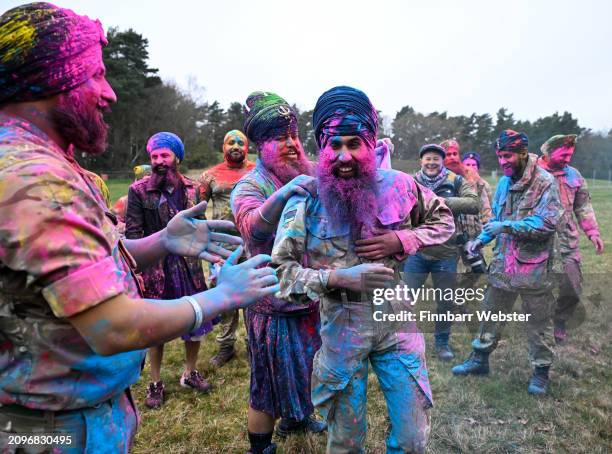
{"points": [[142, 171], [510, 140], [450, 143], [236, 132], [166, 140], [472, 155], [344, 111], [46, 50], [558, 141], [268, 116]]}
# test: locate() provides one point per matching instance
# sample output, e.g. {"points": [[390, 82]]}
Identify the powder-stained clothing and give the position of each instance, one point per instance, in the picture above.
{"points": [[576, 201], [217, 183], [149, 210], [60, 255], [471, 224], [461, 197], [529, 210], [283, 336], [522, 262], [307, 248]]}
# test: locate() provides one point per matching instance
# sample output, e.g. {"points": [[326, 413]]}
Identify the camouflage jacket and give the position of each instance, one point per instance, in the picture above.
{"points": [[471, 224], [249, 194], [148, 211], [530, 210], [576, 202], [308, 247], [217, 183], [461, 197], [60, 255]]}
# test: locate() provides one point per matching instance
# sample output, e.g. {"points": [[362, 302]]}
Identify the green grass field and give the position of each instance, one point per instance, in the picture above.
{"points": [[493, 414]]}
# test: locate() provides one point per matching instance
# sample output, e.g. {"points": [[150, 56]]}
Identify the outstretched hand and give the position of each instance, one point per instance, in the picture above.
{"points": [[190, 237], [245, 283]]}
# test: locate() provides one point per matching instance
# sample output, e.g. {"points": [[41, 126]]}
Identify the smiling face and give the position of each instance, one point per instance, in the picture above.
{"points": [[345, 156], [510, 162], [162, 160], [235, 148], [284, 156], [79, 113], [560, 157], [431, 163]]}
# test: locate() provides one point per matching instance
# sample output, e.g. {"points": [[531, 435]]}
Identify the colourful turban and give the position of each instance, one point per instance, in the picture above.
{"points": [[268, 116], [472, 155], [236, 132], [46, 50], [510, 140], [558, 141], [450, 143], [167, 140], [141, 171], [344, 111]]}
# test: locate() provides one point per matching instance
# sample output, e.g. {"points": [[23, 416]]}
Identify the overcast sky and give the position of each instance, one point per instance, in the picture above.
{"points": [[533, 57]]}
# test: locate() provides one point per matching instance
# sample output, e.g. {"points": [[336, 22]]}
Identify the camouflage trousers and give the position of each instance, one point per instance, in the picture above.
{"points": [[538, 326], [109, 427], [570, 288], [351, 340], [227, 329]]}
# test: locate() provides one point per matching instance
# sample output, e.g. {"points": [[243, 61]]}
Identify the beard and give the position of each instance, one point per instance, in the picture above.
{"points": [[285, 169], [235, 160], [80, 123], [163, 176], [349, 200]]}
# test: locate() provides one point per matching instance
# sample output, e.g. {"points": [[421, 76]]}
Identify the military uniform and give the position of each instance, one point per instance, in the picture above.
{"points": [[307, 248], [576, 202], [522, 261], [60, 255]]}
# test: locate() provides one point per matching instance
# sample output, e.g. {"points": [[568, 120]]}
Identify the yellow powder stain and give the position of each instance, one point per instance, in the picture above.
{"points": [[17, 37]]}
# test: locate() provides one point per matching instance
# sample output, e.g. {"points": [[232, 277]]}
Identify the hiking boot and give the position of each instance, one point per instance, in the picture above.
{"points": [[444, 352], [476, 364], [223, 356], [271, 449], [155, 395], [288, 426], [194, 380], [538, 385]]}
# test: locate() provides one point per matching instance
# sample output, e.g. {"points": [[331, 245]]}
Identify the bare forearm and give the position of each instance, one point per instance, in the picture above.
{"points": [[134, 324], [148, 250], [265, 218]]}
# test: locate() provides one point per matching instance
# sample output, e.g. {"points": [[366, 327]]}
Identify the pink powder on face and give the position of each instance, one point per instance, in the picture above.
{"points": [[350, 200], [272, 157]]}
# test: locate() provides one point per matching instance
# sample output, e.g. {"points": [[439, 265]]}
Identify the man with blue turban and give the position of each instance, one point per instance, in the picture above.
{"points": [[152, 202], [338, 246]]}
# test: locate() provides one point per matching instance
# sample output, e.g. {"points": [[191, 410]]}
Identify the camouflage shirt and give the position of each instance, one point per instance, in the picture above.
{"points": [[576, 202], [217, 183], [60, 255], [249, 194], [308, 247], [530, 210]]}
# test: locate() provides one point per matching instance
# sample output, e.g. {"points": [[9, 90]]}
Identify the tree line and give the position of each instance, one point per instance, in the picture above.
{"points": [[147, 104]]}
